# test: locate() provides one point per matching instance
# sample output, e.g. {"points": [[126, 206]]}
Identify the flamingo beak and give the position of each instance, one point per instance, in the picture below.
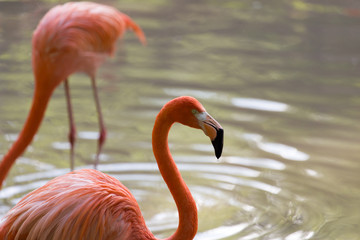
{"points": [[218, 142], [213, 130]]}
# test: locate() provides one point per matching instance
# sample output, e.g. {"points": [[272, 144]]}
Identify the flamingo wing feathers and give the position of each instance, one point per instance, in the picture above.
{"points": [[78, 36], [66, 206], [84, 26]]}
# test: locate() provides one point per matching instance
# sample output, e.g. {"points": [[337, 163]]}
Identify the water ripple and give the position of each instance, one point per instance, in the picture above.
{"points": [[282, 150], [221, 232], [9, 192], [260, 104], [143, 167], [243, 182], [61, 145], [300, 235], [255, 162], [89, 135], [190, 92], [40, 175], [38, 165]]}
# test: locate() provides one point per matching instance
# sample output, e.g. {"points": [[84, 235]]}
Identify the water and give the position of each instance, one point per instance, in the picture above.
{"points": [[282, 77]]}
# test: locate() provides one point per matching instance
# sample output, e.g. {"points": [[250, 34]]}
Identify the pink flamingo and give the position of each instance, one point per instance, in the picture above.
{"points": [[73, 37], [88, 204]]}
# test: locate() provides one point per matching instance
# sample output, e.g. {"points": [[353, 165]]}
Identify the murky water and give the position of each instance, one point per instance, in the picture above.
{"points": [[282, 77]]}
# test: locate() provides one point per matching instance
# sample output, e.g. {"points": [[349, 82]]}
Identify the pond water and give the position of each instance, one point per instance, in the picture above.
{"points": [[281, 77]]}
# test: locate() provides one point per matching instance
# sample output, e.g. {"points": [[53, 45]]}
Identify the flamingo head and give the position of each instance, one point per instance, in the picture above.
{"points": [[190, 112]]}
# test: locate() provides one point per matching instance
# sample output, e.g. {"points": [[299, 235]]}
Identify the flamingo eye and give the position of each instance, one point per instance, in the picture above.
{"points": [[194, 111], [201, 116]]}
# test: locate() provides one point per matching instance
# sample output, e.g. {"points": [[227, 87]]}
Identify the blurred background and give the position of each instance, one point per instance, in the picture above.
{"points": [[281, 77]]}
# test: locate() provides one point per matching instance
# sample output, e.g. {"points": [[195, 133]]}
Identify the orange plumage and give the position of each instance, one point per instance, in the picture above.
{"points": [[85, 204], [75, 37]]}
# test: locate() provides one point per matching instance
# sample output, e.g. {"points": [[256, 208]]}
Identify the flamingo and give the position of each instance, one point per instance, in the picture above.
{"points": [[88, 204], [74, 37]]}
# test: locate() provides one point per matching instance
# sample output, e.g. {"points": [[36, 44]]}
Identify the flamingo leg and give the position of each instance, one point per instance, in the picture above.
{"points": [[102, 129], [72, 129]]}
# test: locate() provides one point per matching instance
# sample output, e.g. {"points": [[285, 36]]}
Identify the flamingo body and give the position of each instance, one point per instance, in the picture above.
{"points": [[74, 37], [90, 205], [85, 204]]}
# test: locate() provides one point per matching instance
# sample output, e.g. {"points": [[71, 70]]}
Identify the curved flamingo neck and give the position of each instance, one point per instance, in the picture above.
{"points": [[32, 123], [185, 203]]}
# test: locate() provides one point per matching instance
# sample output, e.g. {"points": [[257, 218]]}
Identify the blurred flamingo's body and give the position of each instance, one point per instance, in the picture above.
{"points": [[89, 205], [74, 37]]}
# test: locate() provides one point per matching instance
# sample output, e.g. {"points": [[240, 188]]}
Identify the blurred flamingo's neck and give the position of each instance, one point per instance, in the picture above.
{"points": [[32, 123]]}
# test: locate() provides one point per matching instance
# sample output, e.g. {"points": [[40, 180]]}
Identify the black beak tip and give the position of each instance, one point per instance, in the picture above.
{"points": [[218, 142]]}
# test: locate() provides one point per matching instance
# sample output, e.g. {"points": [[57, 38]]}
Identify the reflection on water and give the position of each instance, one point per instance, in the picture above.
{"points": [[281, 79], [260, 104], [282, 150]]}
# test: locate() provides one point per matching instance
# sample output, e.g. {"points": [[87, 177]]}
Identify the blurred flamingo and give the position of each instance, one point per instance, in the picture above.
{"points": [[88, 204], [74, 37]]}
